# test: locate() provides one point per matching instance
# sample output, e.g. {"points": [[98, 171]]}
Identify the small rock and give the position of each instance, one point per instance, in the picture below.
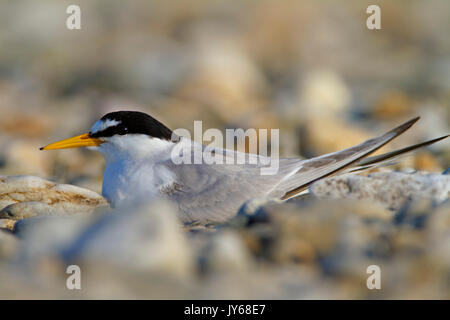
{"points": [[147, 238], [393, 104], [27, 196], [392, 189], [227, 253], [8, 245], [324, 92], [439, 234], [414, 213], [7, 224], [425, 161], [251, 212]]}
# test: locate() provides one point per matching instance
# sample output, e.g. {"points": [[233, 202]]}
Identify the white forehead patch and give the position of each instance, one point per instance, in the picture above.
{"points": [[101, 125]]}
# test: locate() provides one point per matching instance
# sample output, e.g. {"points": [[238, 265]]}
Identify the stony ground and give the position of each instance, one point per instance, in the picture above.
{"points": [[316, 246], [308, 68]]}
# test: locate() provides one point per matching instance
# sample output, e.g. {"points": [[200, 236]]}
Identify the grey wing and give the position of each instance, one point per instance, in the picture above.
{"points": [[213, 193]]}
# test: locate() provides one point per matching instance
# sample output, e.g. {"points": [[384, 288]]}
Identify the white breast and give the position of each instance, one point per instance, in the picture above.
{"points": [[133, 172]]}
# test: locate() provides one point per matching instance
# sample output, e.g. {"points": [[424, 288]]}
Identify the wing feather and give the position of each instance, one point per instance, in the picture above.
{"points": [[330, 164]]}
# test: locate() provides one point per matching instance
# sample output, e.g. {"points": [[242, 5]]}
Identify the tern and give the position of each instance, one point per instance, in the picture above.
{"points": [[138, 153]]}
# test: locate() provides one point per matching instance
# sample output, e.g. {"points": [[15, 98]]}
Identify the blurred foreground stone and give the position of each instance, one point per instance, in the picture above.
{"points": [[315, 246], [27, 196]]}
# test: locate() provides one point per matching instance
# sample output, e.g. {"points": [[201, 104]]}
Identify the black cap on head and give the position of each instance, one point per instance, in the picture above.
{"points": [[131, 122]]}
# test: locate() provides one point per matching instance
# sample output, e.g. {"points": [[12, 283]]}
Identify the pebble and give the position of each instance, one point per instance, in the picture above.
{"points": [[8, 245], [146, 238], [27, 196], [392, 189]]}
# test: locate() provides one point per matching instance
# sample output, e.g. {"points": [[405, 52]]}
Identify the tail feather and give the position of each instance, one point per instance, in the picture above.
{"points": [[330, 164], [390, 157]]}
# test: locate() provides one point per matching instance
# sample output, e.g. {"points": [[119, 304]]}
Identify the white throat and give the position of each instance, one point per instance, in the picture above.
{"points": [[134, 172]]}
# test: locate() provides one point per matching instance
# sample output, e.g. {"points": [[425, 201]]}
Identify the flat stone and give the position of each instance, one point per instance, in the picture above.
{"points": [[392, 189]]}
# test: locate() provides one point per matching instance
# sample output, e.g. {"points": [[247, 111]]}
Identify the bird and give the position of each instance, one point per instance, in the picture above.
{"points": [[138, 152]]}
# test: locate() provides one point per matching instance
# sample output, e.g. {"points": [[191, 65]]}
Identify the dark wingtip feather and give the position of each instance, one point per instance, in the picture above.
{"points": [[386, 156], [402, 128], [383, 139]]}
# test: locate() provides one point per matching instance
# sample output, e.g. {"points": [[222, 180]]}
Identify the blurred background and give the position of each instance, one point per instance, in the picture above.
{"points": [[310, 68]]}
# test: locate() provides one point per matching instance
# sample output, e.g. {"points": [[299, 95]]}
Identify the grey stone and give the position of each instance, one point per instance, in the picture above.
{"points": [[392, 189]]}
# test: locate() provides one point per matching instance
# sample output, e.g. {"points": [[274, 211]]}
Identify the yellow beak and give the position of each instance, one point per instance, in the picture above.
{"points": [[79, 141]]}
